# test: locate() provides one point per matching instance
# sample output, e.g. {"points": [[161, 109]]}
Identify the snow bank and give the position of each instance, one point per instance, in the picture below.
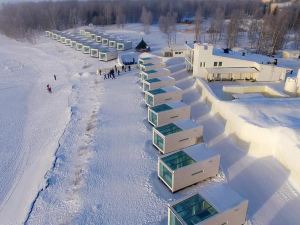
{"points": [[268, 125]]}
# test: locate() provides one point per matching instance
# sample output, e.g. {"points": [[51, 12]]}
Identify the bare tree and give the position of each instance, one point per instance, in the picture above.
{"points": [[197, 26], [108, 13], [120, 17], [167, 24], [146, 19], [233, 29]]}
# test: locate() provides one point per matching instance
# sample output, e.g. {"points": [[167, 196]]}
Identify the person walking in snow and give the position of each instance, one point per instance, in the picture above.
{"points": [[54, 77], [118, 72], [49, 88], [129, 68]]}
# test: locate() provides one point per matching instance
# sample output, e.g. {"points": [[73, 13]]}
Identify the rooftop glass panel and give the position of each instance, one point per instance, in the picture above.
{"points": [[151, 71], [153, 80], [194, 210], [157, 91], [169, 129], [149, 64], [161, 108], [178, 160]]}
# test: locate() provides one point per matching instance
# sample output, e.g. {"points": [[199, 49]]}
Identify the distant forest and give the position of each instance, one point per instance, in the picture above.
{"points": [[268, 29]]}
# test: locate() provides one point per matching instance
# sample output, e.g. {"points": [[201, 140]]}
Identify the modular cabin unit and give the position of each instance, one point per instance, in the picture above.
{"points": [[69, 39], [55, 34], [48, 33], [215, 204], [98, 37], [86, 47], [123, 45], [154, 73], [151, 66], [105, 40], [108, 54], [112, 42], [80, 43], [163, 95], [168, 113], [159, 82], [177, 135], [96, 49], [82, 32], [145, 60], [187, 167]]}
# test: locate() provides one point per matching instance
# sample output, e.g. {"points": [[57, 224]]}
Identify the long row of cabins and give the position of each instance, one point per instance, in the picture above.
{"points": [[185, 158], [96, 43]]}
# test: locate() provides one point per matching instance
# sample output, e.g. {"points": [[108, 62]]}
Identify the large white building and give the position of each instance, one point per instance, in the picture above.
{"points": [[210, 63]]}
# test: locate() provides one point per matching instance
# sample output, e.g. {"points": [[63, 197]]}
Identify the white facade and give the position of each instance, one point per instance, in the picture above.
{"points": [[124, 45], [107, 55], [214, 205], [175, 51], [168, 113], [189, 166], [163, 95], [176, 136], [291, 54], [154, 83], [213, 64], [154, 73], [148, 59]]}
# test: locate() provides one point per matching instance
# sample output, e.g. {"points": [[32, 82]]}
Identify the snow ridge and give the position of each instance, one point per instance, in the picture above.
{"points": [[49, 171]]}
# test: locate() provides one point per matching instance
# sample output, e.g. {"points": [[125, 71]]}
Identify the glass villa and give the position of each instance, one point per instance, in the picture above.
{"points": [[159, 82], [163, 95], [96, 49], [187, 167], [107, 54], [168, 113], [177, 135], [151, 66], [213, 205], [145, 60], [154, 73], [123, 45]]}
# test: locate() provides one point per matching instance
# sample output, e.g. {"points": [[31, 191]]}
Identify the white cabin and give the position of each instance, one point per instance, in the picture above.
{"points": [[168, 113], [163, 95], [189, 166], [216, 204], [177, 135]]}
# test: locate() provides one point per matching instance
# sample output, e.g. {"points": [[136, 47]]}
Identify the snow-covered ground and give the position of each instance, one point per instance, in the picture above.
{"points": [[83, 154]]}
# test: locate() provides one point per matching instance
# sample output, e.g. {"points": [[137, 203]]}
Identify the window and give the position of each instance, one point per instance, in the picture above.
{"points": [[158, 141], [165, 174], [204, 64], [220, 63], [200, 64], [215, 63], [153, 117]]}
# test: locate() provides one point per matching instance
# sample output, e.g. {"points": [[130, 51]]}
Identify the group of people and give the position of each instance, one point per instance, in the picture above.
{"points": [[111, 73]]}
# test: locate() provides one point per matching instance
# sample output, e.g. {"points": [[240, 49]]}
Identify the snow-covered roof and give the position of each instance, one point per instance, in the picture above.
{"points": [[248, 56], [221, 197], [228, 70], [199, 152], [186, 124]]}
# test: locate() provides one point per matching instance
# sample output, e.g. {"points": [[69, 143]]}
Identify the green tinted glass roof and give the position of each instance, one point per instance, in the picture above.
{"points": [[146, 58], [153, 80], [148, 64], [178, 160], [161, 108], [170, 128], [157, 91], [151, 71], [194, 210]]}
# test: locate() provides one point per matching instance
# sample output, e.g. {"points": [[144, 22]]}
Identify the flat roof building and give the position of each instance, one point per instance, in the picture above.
{"points": [[163, 95], [158, 82], [210, 63], [191, 165], [214, 205], [168, 113], [177, 135]]}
